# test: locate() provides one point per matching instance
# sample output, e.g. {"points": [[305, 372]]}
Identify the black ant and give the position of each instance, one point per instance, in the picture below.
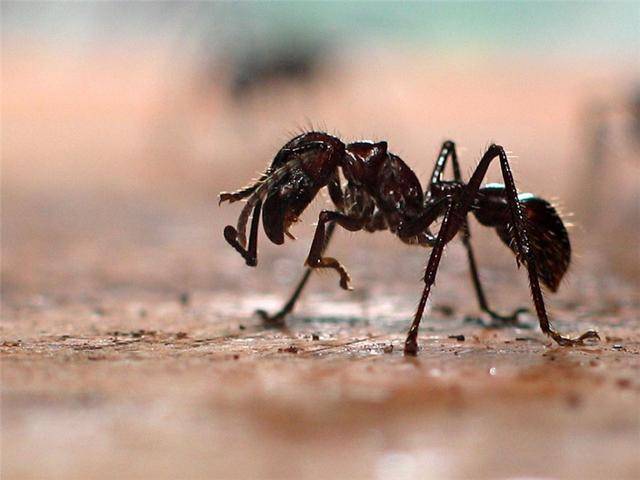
{"points": [[382, 193]]}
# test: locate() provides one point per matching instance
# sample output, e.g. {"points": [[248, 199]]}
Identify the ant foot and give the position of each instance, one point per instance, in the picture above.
{"points": [[275, 321], [411, 343], [411, 348], [502, 321], [570, 342], [345, 278], [328, 262], [345, 281], [231, 236]]}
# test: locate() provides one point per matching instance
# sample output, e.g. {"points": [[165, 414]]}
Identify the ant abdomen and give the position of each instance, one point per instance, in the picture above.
{"points": [[548, 237]]}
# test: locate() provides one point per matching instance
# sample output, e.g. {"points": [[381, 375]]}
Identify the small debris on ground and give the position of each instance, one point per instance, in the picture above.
{"points": [[142, 333], [289, 349], [623, 382]]}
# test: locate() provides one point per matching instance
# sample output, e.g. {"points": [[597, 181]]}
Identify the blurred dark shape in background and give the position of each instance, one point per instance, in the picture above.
{"points": [[289, 62], [608, 197]]}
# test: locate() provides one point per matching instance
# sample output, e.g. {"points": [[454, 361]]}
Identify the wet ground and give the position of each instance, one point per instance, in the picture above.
{"points": [[194, 396], [165, 377]]}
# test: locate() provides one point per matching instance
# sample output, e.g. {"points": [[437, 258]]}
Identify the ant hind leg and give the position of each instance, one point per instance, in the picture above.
{"points": [[497, 320], [447, 150], [524, 253]]}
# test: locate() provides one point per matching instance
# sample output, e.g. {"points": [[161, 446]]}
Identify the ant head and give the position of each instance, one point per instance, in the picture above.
{"points": [[285, 203], [301, 168]]}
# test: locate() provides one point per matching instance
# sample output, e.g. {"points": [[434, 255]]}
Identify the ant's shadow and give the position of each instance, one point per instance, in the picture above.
{"points": [[295, 320]]}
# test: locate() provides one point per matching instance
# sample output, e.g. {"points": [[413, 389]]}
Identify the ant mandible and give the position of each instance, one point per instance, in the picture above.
{"points": [[382, 193]]}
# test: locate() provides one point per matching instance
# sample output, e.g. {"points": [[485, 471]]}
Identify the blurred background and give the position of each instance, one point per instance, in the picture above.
{"points": [[122, 121]]}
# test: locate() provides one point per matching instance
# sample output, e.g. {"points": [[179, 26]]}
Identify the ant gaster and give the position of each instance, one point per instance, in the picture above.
{"points": [[381, 192]]}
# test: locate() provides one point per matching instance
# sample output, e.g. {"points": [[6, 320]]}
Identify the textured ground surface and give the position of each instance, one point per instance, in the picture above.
{"points": [[103, 378], [192, 395]]}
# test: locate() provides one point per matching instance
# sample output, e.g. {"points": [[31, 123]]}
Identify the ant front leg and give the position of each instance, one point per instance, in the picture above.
{"points": [[277, 319], [449, 149], [249, 254], [315, 258]]}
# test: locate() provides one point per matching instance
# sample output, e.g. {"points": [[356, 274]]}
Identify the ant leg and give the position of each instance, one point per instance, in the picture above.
{"points": [[497, 319], [444, 235], [449, 148], [454, 219], [277, 319], [524, 252], [250, 254], [315, 258]]}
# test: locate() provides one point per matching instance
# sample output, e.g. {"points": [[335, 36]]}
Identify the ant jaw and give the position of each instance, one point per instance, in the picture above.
{"points": [[289, 220]]}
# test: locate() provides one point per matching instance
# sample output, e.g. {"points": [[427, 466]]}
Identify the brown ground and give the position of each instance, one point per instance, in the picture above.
{"points": [[128, 344]]}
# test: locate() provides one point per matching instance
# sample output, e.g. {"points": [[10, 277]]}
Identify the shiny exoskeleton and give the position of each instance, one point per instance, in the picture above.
{"points": [[380, 192]]}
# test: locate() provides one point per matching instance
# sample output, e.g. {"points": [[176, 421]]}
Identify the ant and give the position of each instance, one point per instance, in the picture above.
{"points": [[382, 193]]}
